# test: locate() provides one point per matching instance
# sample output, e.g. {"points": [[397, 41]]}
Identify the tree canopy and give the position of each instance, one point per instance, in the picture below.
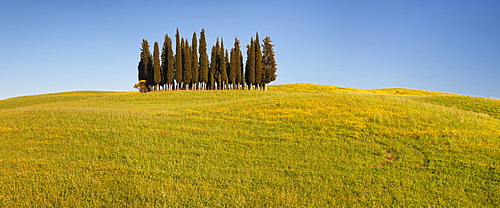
{"points": [[189, 68]]}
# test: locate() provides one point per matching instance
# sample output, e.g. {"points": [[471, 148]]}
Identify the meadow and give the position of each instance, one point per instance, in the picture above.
{"points": [[295, 145]]}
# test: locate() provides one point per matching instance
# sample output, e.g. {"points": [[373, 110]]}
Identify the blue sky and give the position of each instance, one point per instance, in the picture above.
{"points": [[443, 45]]}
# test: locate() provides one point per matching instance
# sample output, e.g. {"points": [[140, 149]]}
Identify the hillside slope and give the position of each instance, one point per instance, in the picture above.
{"points": [[294, 146]]}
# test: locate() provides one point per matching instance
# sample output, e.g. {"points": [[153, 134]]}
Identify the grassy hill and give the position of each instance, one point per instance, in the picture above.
{"points": [[296, 145]]}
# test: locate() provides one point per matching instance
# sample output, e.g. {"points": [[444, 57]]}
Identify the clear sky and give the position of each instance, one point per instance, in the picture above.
{"points": [[443, 45]]}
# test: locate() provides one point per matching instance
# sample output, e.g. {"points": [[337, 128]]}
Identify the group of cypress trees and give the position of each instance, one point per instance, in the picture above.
{"points": [[189, 67]]}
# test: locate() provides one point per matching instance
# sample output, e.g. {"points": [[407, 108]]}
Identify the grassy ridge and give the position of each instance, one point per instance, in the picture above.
{"points": [[310, 88], [296, 145], [487, 106]]}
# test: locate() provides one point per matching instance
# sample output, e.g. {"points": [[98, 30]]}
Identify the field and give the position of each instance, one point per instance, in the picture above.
{"points": [[295, 145]]}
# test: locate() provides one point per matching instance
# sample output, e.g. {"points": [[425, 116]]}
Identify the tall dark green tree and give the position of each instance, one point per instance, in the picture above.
{"points": [[148, 64], [143, 63], [268, 62], [178, 60], [163, 73], [228, 68], [217, 65], [222, 66], [258, 62], [204, 65], [156, 66], [234, 65], [239, 70], [150, 80], [232, 68], [250, 65], [213, 69], [167, 57], [195, 67], [186, 64], [141, 70]]}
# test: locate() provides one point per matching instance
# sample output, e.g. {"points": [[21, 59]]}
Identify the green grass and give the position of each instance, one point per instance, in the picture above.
{"points": [[293, 146]]}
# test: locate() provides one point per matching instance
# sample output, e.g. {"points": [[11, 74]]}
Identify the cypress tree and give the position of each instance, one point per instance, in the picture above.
{"points": [[236, 68], [268, 62], [222, 66], [213, 69], [217, 65], [178, 60], [242, 70], [147, 64], [163, 64], [145, 54], [228, 68], [195, 67], [203, 59], [143, 63], [240, 78], [232, 68], [250, 65], [258, 62], [150, 77], [140, 69], [156, 66], [186, 64], [167, 57]]}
